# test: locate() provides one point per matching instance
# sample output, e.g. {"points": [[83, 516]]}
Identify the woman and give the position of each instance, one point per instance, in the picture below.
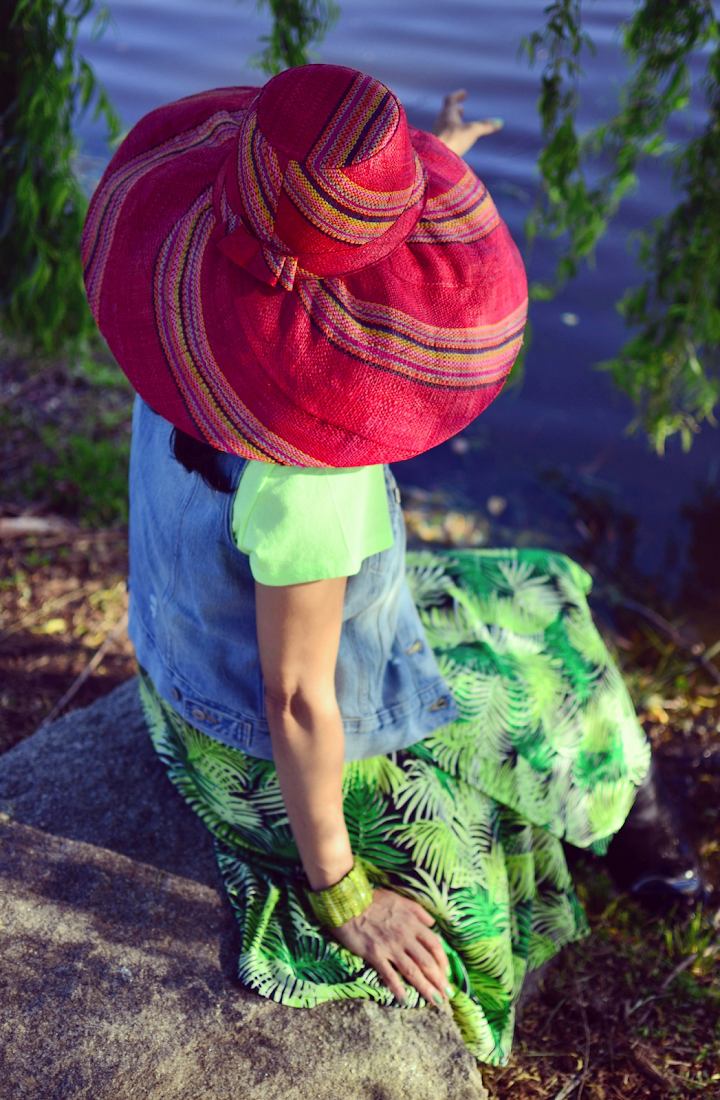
{"points": [[302, 289]]}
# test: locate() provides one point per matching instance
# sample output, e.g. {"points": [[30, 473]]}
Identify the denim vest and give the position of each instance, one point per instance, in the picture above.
{"points": [[192, 615]]}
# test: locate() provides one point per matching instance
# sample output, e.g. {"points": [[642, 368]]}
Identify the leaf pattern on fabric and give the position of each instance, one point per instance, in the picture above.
{"points": [[469, 821]]}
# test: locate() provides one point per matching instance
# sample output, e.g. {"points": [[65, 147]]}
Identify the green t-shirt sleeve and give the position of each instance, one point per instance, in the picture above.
{"points": [[301, 524]]}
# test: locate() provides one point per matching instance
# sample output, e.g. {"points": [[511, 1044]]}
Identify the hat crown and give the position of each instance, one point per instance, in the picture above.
{"points": [[324, 168], [328, 114]]}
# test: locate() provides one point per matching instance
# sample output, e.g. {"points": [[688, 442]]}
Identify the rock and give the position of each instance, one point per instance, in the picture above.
{"points": [[117, 970], [94, 776], [113, 989]]}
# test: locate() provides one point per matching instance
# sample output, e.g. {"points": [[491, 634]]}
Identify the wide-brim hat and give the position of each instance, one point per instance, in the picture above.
{"points": [[294, 274]]}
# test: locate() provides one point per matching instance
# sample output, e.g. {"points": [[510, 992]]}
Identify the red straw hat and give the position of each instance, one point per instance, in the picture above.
{"points": [[295, 275]]}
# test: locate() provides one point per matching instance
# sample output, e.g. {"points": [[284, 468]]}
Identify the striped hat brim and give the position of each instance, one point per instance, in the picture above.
{"points": [[374, 365]]}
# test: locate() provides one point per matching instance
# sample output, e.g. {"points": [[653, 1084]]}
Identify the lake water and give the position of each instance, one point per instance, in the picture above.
{"points": [[555, 447]]}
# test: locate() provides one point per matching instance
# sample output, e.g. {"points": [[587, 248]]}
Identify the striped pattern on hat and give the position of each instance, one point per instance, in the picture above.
{"points": [[295, 275]]}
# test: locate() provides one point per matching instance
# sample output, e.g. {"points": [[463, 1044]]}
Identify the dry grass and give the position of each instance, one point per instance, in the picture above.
{"points": [[632, 1012], [60, 600]]}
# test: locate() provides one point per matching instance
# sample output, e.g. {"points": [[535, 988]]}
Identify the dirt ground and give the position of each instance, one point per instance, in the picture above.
{"points": [[64, 444], [63, 600]]}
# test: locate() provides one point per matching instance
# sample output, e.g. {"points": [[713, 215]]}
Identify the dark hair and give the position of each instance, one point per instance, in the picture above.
{"points": [[199, 457]]}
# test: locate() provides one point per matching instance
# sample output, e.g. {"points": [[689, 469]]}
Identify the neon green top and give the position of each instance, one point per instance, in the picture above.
{"points": [[302, 524]]}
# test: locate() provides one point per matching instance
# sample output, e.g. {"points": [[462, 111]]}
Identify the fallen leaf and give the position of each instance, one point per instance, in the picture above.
{"points": [[52, 626]]}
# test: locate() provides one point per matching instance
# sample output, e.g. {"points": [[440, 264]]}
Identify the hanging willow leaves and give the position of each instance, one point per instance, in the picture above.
{"points": [[44, 88], [297, 24], [670, 367]]}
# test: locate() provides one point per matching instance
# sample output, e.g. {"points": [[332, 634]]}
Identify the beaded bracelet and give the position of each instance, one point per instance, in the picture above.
{"points": [[347, 898]]}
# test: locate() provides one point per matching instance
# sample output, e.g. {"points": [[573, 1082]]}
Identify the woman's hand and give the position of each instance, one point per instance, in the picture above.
{"points": [[393, 935], [454, 132]]}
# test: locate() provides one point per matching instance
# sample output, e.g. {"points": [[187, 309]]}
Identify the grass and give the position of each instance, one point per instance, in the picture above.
{"points": [[85, 478], [65, 431], [633, 1011]]}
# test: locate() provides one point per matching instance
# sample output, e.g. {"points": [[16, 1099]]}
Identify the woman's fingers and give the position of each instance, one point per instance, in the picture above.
{"points": [[421, 913], [432, 972], [417, 965], [417, 977], [389, 976], [422, 946], [433, 943], [430, 940]]}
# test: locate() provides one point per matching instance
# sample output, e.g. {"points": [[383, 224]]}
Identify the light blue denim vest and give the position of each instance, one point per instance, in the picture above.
{"points": [[192, 615]]}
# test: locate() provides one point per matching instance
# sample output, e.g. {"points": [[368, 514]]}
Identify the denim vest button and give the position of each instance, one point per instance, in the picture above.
{"points": [[198, 714], [441, 703], [175, 694], [416, 647]]}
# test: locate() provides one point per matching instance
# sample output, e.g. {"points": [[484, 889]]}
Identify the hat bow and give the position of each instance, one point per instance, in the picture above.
{"points": [[264, 261]]}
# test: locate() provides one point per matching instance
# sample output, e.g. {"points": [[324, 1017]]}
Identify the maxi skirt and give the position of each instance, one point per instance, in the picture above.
{"points": [[468, 821]]}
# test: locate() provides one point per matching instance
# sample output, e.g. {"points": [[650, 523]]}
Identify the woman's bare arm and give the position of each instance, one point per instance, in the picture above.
{"points": [[298, 628]]}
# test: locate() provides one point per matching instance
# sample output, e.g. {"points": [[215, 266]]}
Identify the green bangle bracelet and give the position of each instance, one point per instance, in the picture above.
{"points": [[347, 898]]}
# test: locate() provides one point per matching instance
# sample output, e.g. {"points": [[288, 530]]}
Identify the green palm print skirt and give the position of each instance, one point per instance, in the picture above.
{"points": [[469, 821]]}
